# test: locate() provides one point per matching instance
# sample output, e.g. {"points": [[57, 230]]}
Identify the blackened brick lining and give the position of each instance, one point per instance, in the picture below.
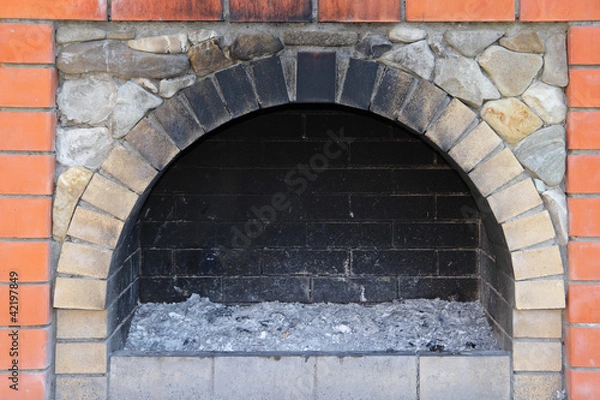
{"points": [[388, 218]]}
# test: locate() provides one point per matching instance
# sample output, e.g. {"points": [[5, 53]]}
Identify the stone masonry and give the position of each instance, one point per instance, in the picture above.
{"points": [[485, 102]]}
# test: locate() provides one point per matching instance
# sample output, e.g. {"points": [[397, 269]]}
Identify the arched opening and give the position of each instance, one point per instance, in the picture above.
{"points": [[515, 288]]}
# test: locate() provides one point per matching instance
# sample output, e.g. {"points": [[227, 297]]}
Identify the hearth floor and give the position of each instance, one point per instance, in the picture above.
{"points": [[198, 325]]}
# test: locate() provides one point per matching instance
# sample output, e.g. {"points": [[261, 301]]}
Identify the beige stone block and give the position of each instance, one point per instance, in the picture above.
{"points": [[81, 358], [452, 377], [81, 324], [84, 260], [514, 200], [95, 228], [529, 355], [69, 188], [540, 295], [152, 144], [537, 263], [129, 169], [450, 125], [475, 147], [511, 119], [541, 324], [80, 294], [81, 387], [495, 172], [536, 387], [110, 197], [528, 231]]}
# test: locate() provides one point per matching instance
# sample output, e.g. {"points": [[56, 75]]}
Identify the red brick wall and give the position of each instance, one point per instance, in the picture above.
{"points": [[27, 91], [583, 184]]}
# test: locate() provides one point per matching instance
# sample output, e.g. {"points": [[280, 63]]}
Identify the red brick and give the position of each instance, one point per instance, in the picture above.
{"points": [[171, 10], [584, 45], [26, 174], [583, 346], [30, 260], [460, 10], [583, 130], [34, 305], [26, 43], [33, 348], [582, 385], [360, 11], [32, 386], [583, 174], [560, 10], [25, 218], [268, 10], [27, 87], [54, 9], [585, 214], [27, 131], [584, 261], [584, 88], [583, 304]]}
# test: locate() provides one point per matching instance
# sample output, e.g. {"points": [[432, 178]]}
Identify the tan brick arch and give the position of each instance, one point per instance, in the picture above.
{"points": [[85, 291]]}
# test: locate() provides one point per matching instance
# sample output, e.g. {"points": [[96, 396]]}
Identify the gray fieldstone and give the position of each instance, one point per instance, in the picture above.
{"points": [[556, 70], [547, 101], [69, 34], [83, 147], [148, 84], [511, 119], [415, 57], [540, 185], [556, 204], [169, 87], [320, 38], [202, 35], [208, 57], [461, 77], [404, 34], [119, 59], [253, 45], [89, 100], [472, 42], [374, 46], [133, 102], [526, 41], [544, 153], [166, 44], [511, 72], [121, 35]]}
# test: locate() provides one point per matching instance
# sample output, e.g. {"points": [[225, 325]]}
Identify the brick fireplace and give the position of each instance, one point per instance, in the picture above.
{"points": [[142, 109]]}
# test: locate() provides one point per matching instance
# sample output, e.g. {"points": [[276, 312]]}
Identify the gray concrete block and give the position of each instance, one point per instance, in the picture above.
{"points": [[264, 378], [160, 378], [465, 377], [367, 378]]}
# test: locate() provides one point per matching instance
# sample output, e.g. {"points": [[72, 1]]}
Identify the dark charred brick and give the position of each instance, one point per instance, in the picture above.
{"points": [[304, 262], [207, 104], [252, 290], [354, 290], [316, 77], [359, 83], [237, 90], [270, 82], [394, 262]]}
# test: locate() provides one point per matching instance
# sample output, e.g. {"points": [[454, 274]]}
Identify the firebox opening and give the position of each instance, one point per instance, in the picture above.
{"points": [[311, 205]]}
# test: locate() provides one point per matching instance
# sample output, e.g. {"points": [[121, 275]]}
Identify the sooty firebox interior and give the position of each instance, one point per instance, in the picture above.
{"points": [[310, 205]]}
